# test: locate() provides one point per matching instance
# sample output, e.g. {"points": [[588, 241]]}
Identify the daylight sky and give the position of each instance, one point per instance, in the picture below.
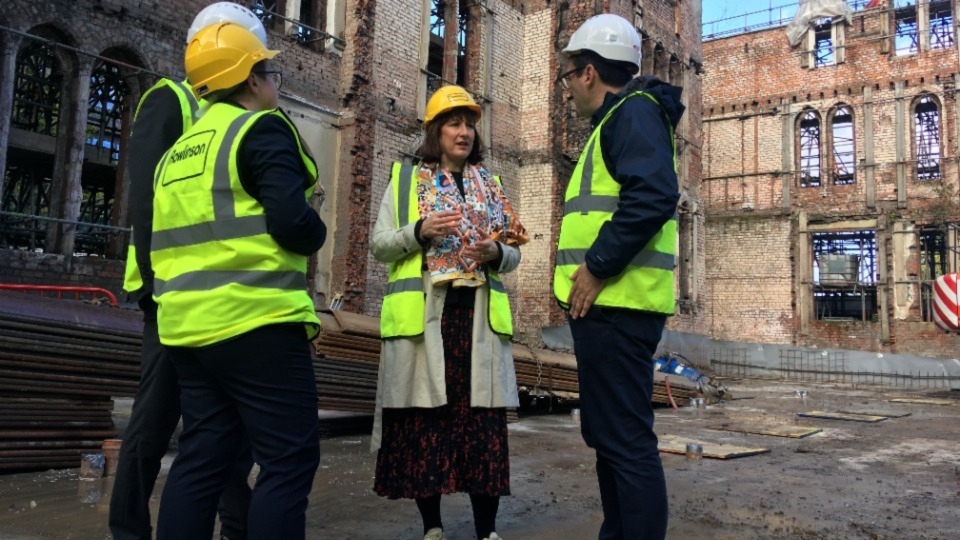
{"points": [[745, 13]]}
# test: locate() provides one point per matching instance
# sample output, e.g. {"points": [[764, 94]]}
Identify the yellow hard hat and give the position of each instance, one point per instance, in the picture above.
{"points": [[447, 98], [221, 56]]}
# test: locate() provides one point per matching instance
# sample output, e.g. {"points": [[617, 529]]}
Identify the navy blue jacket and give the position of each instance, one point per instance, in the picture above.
{"points": [[637, 150]]}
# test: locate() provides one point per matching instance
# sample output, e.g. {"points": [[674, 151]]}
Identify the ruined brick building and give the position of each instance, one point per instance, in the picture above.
{"points": [[830, 179], [357, 74]]}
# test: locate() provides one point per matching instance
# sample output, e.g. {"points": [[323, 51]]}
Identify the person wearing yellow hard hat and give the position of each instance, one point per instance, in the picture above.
{"points": [[232, 232], [164, 112], [448, 231], [615, 262]]}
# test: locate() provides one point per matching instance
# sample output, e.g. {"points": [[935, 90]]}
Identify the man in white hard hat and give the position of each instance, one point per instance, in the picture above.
{"points": [[165, 111], [615, 263]]}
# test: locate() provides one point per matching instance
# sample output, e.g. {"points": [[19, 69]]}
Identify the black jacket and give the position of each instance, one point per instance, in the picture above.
{"points": [[638, 152]]}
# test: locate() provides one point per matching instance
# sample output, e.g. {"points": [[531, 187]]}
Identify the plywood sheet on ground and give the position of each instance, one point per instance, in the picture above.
{"points": [[869, 418], [673, 444], [881, 412], [793, 432], [925, 401]]}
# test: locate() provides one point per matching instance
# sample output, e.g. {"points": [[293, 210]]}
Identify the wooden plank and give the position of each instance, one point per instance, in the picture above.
{"points": [[868, 418], [792, 432], [673, 444], [925, 401], [887, 413], [355, 323]]}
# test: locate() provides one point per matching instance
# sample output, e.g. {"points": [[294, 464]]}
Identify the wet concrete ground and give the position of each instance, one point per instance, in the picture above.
{"points": [[897, 479]]}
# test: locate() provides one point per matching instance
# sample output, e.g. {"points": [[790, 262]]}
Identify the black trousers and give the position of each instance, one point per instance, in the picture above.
{"points": [[156, 411], [614, 349], [260, 383]]}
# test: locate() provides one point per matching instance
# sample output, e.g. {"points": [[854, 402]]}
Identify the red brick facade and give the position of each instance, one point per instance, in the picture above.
{"points": [[761, 221]]}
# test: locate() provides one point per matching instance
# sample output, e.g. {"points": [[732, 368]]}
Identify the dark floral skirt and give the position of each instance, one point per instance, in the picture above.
{"points": [[427, 452]]}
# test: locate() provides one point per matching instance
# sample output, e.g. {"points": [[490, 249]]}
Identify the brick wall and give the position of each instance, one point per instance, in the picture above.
{"points": [[373, 85], [754, 92]]}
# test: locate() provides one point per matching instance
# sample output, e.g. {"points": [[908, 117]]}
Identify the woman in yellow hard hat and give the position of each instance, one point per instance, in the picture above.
{"points": [[448, 231], [232, 232]]}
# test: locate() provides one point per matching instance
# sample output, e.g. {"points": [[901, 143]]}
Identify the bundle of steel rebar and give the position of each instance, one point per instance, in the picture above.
{"points": [[60, 363], [348, 351]]}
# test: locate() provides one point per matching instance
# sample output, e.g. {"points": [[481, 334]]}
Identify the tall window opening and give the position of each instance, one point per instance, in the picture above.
{"points": [[437, 50], [105, 118], [844, 154], [906, 34], [26, 181], [36, 94], [941, 25], [309, 15], [845, 275], [809, 138], [107, 92], [926, 129], [823, 51], [933, 263], [268, 11]]}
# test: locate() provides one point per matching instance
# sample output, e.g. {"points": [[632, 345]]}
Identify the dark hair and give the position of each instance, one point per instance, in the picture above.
{"points": [[612, 72], [430, 150], [230, 93]]}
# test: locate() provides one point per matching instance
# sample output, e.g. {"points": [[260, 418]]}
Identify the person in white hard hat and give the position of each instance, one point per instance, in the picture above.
{"points": [[165, 111], [614, 264]]}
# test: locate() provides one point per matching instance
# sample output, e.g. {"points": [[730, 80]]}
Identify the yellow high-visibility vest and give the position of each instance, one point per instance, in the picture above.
{"points": [[217, 271], [591, 199], [132, 280], [404, 305]]}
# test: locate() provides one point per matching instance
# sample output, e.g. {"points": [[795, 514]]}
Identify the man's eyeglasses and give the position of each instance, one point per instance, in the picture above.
{"points": [[277, 75], [564, 78]]}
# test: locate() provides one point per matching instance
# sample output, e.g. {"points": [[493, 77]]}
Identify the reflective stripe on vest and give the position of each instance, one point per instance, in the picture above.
{"points": [[592, 197], [404, 305], [210, 246], [132, 279]]}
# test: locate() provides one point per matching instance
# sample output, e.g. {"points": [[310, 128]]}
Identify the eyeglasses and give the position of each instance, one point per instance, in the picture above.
{"points": [[564, 78], [277, 75]]}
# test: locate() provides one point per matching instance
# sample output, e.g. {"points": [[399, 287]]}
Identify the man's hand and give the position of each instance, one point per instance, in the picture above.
{"points": [[586, 288]]}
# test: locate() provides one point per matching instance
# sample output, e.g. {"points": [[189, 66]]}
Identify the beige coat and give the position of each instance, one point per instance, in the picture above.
{"points": [[412, 369]]}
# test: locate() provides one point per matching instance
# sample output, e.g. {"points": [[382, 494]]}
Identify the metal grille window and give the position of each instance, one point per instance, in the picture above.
{"points": [[823, 51], [107, 93], [906, 36], [845, 275], [36, 94], [844, 154], [926, 128], [933, 263], [26, 191], [809, 153], [941, 25]]}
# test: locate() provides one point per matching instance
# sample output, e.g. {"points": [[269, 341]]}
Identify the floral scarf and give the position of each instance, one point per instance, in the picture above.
{"points": [[484, 206]]}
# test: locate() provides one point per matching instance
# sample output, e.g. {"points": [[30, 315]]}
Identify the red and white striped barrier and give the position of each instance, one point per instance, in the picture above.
{"points": [[946, 303]]}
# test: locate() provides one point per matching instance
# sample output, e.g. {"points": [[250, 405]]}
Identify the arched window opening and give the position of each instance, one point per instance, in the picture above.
{"points": [[927, 138], [809, 138], [106, 114], [844, 154], [36, 94]]}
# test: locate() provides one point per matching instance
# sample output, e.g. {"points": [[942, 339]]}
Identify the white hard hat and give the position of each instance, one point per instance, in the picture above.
{"points": [[222, 12], [610, 36]]}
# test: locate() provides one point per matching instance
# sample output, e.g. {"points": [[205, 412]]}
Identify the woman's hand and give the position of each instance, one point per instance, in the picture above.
{"points": [[482, 251], [442, 223]]}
